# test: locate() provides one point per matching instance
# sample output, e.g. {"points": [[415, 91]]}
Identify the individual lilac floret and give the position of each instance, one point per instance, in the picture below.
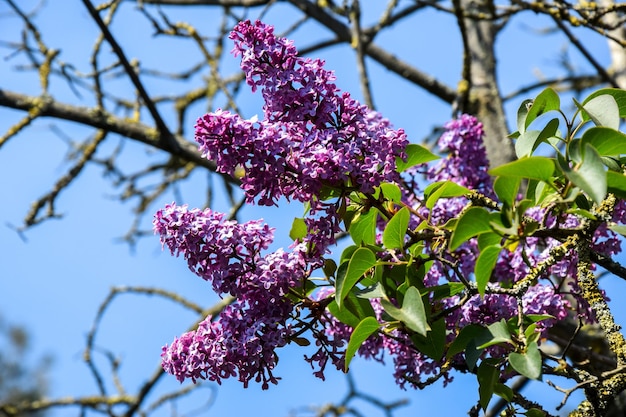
{"points": [[312, 135]]}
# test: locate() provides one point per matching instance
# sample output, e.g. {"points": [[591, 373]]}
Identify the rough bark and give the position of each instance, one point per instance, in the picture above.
{"points": [[485, 99]]}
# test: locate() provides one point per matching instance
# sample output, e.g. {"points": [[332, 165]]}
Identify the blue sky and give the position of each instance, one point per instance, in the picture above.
{"points": [[54, 281]]}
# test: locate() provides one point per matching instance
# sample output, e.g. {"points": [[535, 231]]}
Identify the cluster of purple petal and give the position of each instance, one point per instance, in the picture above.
{"points": [[312, 135], [466, 163], [220, 251], [244, 339], [237, 344]]}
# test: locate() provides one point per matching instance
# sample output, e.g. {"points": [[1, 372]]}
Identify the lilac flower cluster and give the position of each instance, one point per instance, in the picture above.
{"points": [[466, 164], [312, 135], [244, 339]]}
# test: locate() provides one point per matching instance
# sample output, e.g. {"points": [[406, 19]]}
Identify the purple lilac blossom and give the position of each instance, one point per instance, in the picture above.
{"points": [[243, 341], [312, 134], [466, 165]]}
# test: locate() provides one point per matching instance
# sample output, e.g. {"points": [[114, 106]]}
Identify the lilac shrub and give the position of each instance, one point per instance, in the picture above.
{"points": [[407, 289]]}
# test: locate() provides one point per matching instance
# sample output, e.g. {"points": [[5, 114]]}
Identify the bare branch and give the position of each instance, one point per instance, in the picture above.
{"points": [[165, 135], [101, 119]]}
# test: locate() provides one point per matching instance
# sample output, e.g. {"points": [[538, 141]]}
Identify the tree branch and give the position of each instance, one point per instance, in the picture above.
{"points": [[101, 119], [165, 134]]}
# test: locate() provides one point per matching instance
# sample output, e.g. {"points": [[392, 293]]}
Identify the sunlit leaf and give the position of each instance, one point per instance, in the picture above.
{"points": [[395, 232], [484, 266], [619, 229], [352, 310], [442, 189], [590, 176], [522, 112], [361, 261], [473, 222], [506, 189], [363, 228], [616, 183], [391, 192], [617, 93], [416, 154], [533, 167], [361, 332], [605, 140], [298, 229], [497, 333], [412, 313], [602, 110], [527, 363], [528, 141], [546, 101]]}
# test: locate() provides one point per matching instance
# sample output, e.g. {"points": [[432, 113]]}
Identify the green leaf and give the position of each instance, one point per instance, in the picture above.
{"points": [[361, 261], [602, 110], [361, 332], [329, 268], [298, 229], [527, 363], [503, 391], [346, 254], [546, 101], [374, 291], [416, 154], [473, 222], [616, 183], [526, 143], [488, 376], [617, 93], [619, 229], [484, 266], [395, 232], [352, 310], [467, 333], [535, 412], [529, 141], [363, 228], [488, 239], [446, 290], [605, 140], [506, 189], [391, 192], [533, 167], [522, 112], [432, 345], [497, 332], [412, 313], [442, 189], [589, 176]]}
